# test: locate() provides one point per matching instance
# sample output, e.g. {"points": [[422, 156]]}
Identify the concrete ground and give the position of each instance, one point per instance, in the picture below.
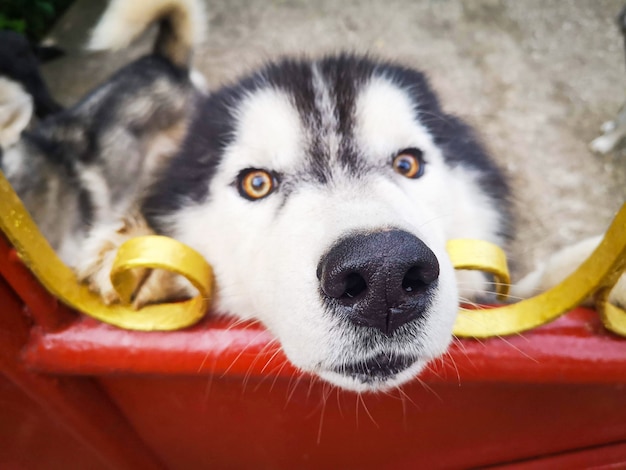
{"points": [[535, 77]]}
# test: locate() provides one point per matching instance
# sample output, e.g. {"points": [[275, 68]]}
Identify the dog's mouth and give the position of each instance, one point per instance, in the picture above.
{"points": [[377, 369]]}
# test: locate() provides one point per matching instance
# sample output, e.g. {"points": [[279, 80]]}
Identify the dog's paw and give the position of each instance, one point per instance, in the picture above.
{"points": [[94, 270], [618, 293], [95, 261], [603, 144], [98, 255], [613, 133], [158, 285]]}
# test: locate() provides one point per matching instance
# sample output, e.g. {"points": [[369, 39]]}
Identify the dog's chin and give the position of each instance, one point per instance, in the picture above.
{"points": [[377, 374]]}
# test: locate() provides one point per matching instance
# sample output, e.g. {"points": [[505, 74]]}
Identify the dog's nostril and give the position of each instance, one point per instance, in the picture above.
{"points": [[417, 279], [355, 284]]}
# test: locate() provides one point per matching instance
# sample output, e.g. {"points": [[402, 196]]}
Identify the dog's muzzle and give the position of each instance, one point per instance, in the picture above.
{"points": [[381, 279]]}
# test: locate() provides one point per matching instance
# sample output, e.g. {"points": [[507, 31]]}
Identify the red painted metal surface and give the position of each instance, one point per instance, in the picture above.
{"points": [[611, 456], [31, 440], [219, 396], [29, 437], [204, 422], [46, 310], [96, 431], [573, 349]]}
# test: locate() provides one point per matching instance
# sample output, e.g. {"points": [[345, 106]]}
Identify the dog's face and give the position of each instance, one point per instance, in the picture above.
{"points": [[323, 200]]}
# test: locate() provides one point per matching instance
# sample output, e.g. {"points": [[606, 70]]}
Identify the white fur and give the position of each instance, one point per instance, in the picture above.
{"points": [[16, 111], [124, 20]]}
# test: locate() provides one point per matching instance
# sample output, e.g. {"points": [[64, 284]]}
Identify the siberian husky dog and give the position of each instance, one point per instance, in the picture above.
{"points": [[322, 192]]}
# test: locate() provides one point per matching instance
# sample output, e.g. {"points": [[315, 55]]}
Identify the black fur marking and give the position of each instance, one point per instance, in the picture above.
{"points": [[345, 74], [85, 207], [56, 151], [342, 75]]}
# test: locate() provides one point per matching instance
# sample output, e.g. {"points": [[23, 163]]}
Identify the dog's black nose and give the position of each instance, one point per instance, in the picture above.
{"points": [[379, 279]]}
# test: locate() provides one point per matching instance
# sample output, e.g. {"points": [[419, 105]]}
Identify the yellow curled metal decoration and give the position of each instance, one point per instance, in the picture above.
{"points": [[479, 255], [146, 252], [594, 278]]}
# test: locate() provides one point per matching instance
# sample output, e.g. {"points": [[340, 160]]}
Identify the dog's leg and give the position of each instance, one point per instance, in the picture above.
{"points": [[98, 254], [559, 266], [607, 142], [613, 133]]}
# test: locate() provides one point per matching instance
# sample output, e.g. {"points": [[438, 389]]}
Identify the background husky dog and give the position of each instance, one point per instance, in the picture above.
{"points": [[321, 191], [89, 165]]}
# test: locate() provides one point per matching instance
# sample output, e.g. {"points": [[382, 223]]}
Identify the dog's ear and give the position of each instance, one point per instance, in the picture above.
{"points": [[16, 111]]}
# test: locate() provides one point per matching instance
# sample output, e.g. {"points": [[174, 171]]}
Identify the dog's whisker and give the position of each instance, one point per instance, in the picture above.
{"points": [[464, 283], [322, 413], [266, 349], [243, 351], [523, 353], [338, 398], [456, 369], [293, 385], [428, 388], [367, 411], [504, 339], [278, 350], [406, 397], [274, 371]]}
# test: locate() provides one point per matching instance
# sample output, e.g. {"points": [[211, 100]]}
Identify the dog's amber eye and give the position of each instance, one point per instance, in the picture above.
{"points": [[255, 184], [409, 163]]}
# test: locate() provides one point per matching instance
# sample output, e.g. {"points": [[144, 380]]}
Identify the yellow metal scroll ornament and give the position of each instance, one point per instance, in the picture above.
{"points": [[594, 278], [146, 252]]}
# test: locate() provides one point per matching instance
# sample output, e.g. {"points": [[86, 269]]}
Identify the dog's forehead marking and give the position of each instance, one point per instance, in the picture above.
{"points": [[386, 120], [268, 132], [327, 129]]}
